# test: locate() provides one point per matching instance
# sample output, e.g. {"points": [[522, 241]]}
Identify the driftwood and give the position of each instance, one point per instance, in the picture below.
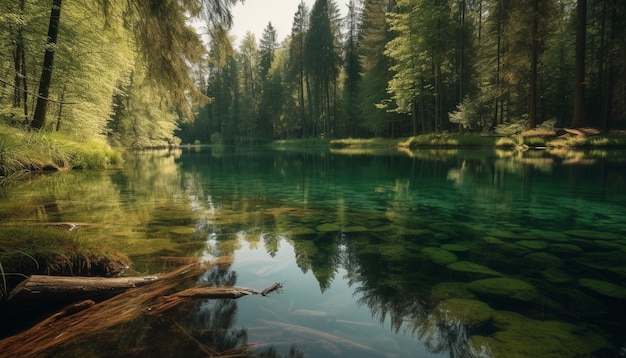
{"points": [[81, 321], [63, 288]]}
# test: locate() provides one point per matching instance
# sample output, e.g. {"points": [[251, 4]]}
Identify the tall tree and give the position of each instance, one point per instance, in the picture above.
{"points": [[296, 64], [422, 54], [322, 60], [352, 69], [39, 119], [267, 47], [374, 64], [579, 66]]}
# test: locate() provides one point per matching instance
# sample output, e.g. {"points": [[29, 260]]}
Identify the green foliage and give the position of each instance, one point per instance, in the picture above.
{"points": [[22, 153]]}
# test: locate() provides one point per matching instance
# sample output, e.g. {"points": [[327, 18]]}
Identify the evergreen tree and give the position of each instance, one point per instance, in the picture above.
{"points": [[267, 46], [374, 104], [296, 71], [352, 69], [321, 62]]}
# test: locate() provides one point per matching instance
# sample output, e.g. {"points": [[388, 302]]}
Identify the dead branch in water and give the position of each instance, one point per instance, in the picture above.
{"points": [[78, 322]]}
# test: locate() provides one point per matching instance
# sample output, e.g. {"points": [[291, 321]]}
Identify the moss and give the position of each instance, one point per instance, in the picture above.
{"points": [[492, 240], [505, 287], [556, 276], [533, 244], [604, 288], [471, 313], [520, 336], [553, 236], [472, 269], [350, 229], [328, 227], [502, 234], [594, 235], [455, 247], [445, 290], [439, 256]]}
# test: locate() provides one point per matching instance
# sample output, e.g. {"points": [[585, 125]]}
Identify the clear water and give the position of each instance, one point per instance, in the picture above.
{"points": [[382, 254]]}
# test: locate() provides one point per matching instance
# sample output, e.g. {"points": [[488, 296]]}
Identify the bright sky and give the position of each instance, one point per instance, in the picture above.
{"points": [[254, 16]]}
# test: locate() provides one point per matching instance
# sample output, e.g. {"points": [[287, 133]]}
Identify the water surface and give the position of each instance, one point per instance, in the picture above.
{"points": [[382, 254]]}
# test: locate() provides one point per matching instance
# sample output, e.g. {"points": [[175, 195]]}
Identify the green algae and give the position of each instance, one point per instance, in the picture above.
{"points": [[502, 234], [471, 313], [455, 247], [439, 256], [505, 287], [542, 260], [473, 269], [492, 240], [553, 236], [533, 244], [520, 336], [446, 290], [556, 276], [328, 227], [604, 288], [591, 234]]}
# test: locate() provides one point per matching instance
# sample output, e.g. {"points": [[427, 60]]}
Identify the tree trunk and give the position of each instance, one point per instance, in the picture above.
{"points": [[66, 288], [39, 119], [579, 64], [532, 100]]}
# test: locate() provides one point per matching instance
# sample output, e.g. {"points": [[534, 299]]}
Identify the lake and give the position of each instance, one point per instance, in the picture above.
{"points": [[381, 253]]}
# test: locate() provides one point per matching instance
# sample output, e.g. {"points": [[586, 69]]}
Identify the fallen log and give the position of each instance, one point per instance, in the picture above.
{"points": [[66, 288], [81, 321]]}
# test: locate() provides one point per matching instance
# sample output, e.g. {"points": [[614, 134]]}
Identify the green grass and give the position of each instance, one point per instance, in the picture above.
{"points": [[24, 152], [450, 140], [609, 141], [28, 250], [300, 142], [364, 143]]}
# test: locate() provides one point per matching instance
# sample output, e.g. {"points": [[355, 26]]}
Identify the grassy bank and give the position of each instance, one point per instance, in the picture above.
{"points": [[23, 153], [53, 250]]}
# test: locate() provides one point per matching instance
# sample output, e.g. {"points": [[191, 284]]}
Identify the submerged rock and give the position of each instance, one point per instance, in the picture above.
{"points": [[328, 227], [555, 275], [473, 269], [604, 288], [592, 234], [520, 336], [533, 244], [505, 287], [501, 234], [492, 240], [455, 247], [471, 313], [439, 256], [445, 290]]}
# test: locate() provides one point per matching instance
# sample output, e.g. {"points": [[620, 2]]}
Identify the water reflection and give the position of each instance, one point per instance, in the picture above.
{"points": [[433, 254]]}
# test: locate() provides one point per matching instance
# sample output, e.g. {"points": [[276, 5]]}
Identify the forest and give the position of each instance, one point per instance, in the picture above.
{"points": [[138, 74]]}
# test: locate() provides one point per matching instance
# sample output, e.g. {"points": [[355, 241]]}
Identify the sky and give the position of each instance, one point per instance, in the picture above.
{"points": [[254, 16]]}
